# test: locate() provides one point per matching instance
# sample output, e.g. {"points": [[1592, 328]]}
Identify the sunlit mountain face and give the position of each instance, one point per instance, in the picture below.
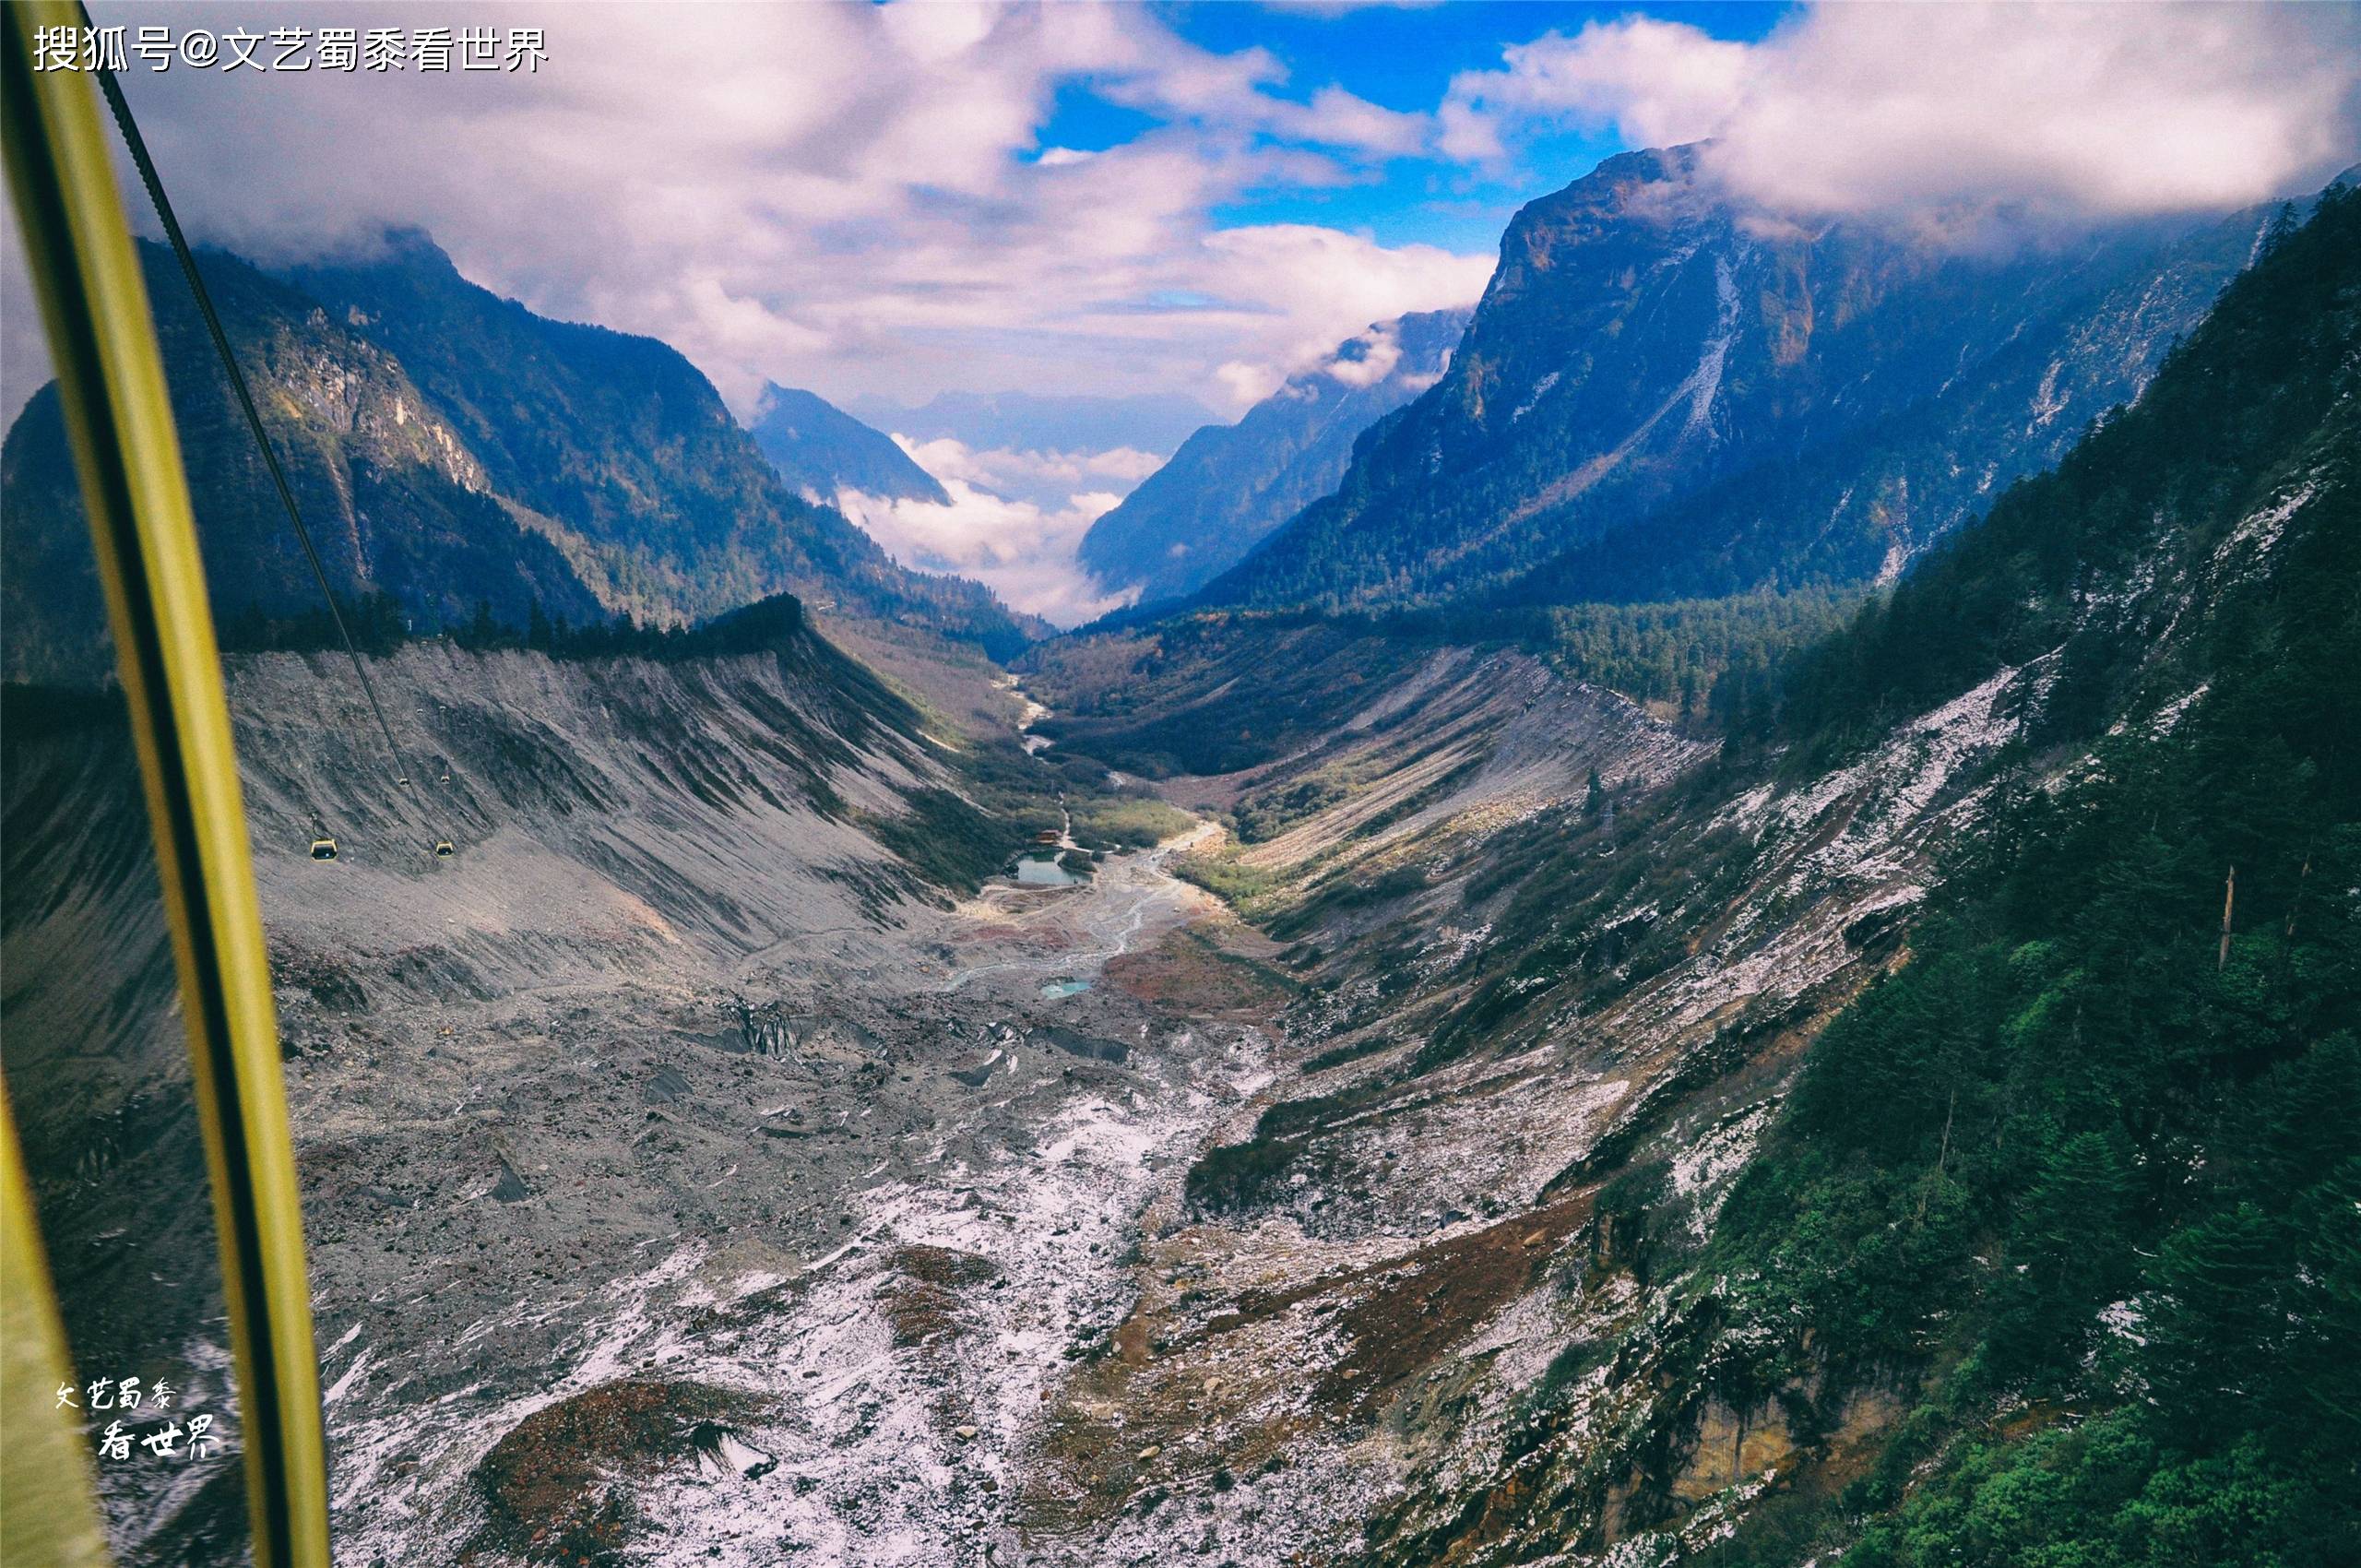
{"points": [[1664, 396]]}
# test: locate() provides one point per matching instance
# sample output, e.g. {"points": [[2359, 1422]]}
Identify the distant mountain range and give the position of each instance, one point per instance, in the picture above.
{"points": [[1661, 396], [1231, 484], [1028, 421], [819, 449], [450, 449]]}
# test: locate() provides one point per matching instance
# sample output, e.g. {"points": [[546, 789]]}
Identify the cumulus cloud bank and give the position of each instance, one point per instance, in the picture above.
{"points": [[1043, 478], [1374, 354], [1014, 521], [2064, 112], [849, 196]]}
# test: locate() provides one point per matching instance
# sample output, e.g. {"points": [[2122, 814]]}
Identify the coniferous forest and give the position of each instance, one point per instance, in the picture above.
{"points": [[2086, 1168]]}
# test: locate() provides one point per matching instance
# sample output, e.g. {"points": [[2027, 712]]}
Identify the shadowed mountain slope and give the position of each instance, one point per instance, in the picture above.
{"points": [[1661, 396], [820, 449], [1230, 486], [451, 448]]}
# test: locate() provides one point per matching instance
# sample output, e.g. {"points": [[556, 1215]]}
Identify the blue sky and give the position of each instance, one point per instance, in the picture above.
{"points": [[1403, 58]]}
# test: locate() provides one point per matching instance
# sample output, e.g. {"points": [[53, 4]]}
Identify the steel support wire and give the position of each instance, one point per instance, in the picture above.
{"points": [[137, 146]]}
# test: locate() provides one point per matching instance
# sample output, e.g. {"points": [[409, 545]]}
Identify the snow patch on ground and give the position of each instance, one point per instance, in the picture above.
{"points": [[2260, 529], [1703, 1172], [1540, 389], [1706, 381]]}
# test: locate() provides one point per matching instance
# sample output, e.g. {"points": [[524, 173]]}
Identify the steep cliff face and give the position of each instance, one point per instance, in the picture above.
{"points": [[1661, 396], [397, 502], [1229, 485], [454, 450]]}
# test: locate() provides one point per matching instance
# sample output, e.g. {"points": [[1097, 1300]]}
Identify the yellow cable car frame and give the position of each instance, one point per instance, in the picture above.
{"points": [[119, 423]]}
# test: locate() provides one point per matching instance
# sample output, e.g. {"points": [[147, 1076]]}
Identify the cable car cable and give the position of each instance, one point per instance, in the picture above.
{"points": [[118, 422], [149, 177]]}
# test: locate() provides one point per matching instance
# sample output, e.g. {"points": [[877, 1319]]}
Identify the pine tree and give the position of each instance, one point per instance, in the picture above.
{"points": [[2218, 1317], [2070, 1239], [2326, 1366]]}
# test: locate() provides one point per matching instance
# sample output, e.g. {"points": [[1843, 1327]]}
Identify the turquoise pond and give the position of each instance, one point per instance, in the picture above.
{"points": [[1044, 871]]}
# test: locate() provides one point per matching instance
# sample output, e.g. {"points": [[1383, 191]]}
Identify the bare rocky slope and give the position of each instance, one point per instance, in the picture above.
{"points": [[716, 1156], [1397, 1249]]}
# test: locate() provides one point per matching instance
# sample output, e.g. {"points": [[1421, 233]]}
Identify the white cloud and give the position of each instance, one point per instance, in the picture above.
{"points": [[2064, 111], [1020, 547], [1248, 385], [1049, 478], [1660, 83], [849, 196], [1334, 285], [1016, 519], [1336, 118], [1380, 350]]}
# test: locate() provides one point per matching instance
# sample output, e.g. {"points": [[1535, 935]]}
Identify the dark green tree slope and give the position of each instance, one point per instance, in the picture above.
{"points": [[2094, 1155]]}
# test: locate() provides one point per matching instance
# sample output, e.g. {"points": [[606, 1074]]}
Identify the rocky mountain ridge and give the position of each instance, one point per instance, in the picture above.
{"points": [[1229, 485], [1661, 396], [451, 449]]}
